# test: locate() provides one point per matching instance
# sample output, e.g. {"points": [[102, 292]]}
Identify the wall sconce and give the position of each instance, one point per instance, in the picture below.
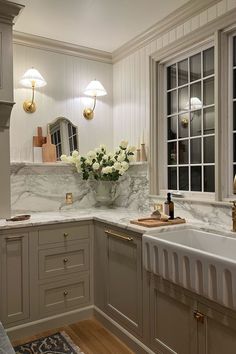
{"points": [[195, 104], [32, 78], [94, 89]]}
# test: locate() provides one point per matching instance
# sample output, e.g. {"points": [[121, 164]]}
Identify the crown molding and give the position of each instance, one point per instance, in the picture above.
{"points": [[9, 10], [52, 45], [182, 14]]}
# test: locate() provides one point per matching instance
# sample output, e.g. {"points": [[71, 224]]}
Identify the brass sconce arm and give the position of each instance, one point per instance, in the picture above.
{"points": [[94, 89], [29, 106], [88, 112]]}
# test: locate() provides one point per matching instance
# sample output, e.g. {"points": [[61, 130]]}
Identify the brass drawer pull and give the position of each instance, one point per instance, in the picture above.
{"points": [[121, 237], [198, 316], [66, 234], [65, 260], [65, 293], [18, 237]]}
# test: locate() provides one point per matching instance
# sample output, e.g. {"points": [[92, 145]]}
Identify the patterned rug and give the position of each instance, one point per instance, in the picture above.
{"points": [[59, 343]]}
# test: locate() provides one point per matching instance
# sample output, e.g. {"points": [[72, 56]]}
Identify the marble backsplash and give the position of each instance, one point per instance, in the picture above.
{"points": [[42, 187]]}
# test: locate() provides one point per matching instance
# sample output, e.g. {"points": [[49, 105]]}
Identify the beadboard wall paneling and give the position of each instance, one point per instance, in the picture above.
{"points": [[67, 77], [131, 83]]}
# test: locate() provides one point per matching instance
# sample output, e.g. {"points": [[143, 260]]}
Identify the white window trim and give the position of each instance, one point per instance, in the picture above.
{"points": [[219, 32], [187, 55]]}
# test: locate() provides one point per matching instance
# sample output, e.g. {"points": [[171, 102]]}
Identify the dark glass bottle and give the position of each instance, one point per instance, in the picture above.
{"points": [[169, 207]]}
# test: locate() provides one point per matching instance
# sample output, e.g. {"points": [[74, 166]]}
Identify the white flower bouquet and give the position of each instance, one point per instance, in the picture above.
{"points": [[101, 165]]}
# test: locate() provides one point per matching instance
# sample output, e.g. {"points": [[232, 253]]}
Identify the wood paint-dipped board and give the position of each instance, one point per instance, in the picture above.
{"points": [[49, 151], [39, 140], [152, 222]]}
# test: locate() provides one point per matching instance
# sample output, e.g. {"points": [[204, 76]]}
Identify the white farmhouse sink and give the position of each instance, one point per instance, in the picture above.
{"points": [[200, 261]]}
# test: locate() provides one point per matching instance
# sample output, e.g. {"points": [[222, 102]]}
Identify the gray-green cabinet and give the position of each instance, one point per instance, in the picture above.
{"points": [[217, 331], [173, 328], [14, 277], [181, 322], [118, 276]]}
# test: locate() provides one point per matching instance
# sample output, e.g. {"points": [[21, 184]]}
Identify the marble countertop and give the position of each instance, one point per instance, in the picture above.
{"points": [[114, 216]]}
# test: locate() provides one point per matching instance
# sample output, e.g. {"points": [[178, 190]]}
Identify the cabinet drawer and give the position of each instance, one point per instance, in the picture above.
{"points": [[64, 295], [64, 260], [63, 234]]}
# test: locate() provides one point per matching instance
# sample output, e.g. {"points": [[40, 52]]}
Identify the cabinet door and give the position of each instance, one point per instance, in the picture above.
{"points": [[15, 285], [173, 329], [217, 332], [123, 279]]}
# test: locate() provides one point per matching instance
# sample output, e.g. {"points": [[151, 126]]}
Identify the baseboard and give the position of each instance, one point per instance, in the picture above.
{"points": [[131, 341], [44, 324]]}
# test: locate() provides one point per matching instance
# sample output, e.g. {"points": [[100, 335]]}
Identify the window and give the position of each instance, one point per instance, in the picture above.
{"points": [[190, 122], [72, 135], [56, 139]]}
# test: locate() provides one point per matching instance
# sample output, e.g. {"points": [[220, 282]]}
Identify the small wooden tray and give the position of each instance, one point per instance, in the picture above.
{"points": [[153, 222], [19, 218]]}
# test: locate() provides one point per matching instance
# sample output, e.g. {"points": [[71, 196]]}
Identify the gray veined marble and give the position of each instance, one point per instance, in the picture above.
{"points": [[37, 187], [42, 188]]}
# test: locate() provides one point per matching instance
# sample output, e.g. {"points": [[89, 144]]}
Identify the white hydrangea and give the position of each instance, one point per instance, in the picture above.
{"points": [[88, 161], [131, 149], [64, 158], [105, 157], [75, 154], [96, 166], [121, 157], [107, 170], [91, 155], [121, 172], [70, 159], [103, 147], [125, 165], [98, 151], [117, 166], [123, 144]]}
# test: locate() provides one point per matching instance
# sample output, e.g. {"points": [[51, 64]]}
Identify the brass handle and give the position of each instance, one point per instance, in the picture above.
{"points": [[65, 293], [18, 237], [198, 316], [121, 237], [65, 260], [66, 234]]}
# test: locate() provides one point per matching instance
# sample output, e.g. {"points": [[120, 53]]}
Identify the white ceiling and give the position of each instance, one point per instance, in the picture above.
{"points": [[100, 24]]}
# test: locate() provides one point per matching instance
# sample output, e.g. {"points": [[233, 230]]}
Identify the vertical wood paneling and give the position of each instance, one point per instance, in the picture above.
{"points": [[66, 77], [134, 106]]}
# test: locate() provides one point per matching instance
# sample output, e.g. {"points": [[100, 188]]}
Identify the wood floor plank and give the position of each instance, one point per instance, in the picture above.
{"points": [[89, 335]]}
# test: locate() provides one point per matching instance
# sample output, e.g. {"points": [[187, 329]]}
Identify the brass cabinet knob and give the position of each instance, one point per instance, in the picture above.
{"points": [[65, 260], [65, 293], [66, 234]]}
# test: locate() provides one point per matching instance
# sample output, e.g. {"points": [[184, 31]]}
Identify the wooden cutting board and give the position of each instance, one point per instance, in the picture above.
{"points": [[49, 151], [39, 140], [153, 222]]}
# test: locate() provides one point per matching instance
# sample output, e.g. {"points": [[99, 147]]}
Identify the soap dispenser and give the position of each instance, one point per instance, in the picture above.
{"points": [[169, 207]]}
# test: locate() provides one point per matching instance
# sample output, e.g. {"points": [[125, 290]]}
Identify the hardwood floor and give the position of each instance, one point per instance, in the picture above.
{"points": [[90, 336]]}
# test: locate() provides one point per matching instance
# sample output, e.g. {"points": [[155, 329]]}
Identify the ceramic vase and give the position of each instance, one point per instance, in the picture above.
{"points": [[105, 192]]}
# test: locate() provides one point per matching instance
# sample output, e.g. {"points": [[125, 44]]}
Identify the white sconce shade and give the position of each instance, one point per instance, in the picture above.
{"points": [[32, 78], [195, 103], [94, 89]]}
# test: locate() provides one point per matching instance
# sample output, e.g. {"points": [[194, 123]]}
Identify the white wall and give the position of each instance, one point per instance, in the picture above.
{"points": [[66, 77], [131, 77]]}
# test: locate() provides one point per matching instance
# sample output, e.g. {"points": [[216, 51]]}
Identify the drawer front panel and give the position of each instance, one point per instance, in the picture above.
{"points": [[64, 295], [63, 234], [64, 260]]}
